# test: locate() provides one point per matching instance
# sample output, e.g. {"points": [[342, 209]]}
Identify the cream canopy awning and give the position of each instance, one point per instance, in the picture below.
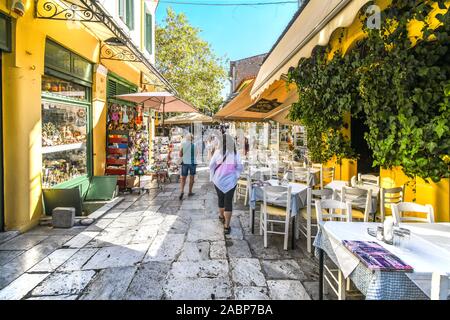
{"points": [[189, 118], [314, 26], [237, 108]]}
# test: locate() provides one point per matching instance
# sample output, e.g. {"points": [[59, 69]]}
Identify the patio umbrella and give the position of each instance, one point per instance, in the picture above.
{"points": [[160, 101]]}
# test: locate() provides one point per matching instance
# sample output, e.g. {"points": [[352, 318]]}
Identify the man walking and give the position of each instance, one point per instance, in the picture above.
{"points": [[188, 153]]}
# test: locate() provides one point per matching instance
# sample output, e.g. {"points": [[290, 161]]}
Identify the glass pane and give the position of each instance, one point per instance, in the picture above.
{"points": [[82, 68], [64, 132], [3, 31], [64, 88], [57, 57], [148, 32]]}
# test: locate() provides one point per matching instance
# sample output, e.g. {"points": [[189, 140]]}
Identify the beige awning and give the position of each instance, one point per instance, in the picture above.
{"points": [[313, 26], [188, 118], [242, 107]]}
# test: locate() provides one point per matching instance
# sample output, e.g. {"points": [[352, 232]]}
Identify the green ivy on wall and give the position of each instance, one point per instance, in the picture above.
{"points": [[399, 88]]}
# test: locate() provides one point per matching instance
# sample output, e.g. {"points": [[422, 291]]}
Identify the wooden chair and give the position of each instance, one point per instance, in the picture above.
{"points": [[276, 204], [399, 208], [369, 179], [328, 210], [389, 196], [319, 166], [307, 221], [359, 199]]}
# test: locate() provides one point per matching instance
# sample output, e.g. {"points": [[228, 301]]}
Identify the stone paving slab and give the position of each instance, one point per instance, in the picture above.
{"points": [[109, 284], [8, 235], [283, 269], [54, 260], [62, 297], [64, 283], [7, 256], [82, 239], [148, 281], [204, 230], [251, 293], [198, 289], [247, 272], [217, 250], [117, 256], [238, 249], [200, 269], [165, 247], [287, 290], [22, 242], [21, 286], [78, 260], [195, 251]]}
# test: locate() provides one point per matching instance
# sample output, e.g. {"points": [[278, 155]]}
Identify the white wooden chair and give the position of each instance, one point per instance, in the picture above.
{"points": [[389, 196], [360, 199], [369, 179], [276, 204], [402, 207], [329, 210], [440, 286], [307, 220]]}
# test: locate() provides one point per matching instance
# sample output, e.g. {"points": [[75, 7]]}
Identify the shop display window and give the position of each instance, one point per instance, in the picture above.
{"points": [[64, 142], [64, 88]]}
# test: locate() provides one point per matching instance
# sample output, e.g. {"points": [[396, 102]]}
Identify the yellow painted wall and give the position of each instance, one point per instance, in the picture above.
{"points": [[22, 72], [436, 194]]}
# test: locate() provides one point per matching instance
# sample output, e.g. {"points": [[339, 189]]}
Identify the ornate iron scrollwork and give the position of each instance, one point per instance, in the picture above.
{"points": [[66, 10], [121, 53]]}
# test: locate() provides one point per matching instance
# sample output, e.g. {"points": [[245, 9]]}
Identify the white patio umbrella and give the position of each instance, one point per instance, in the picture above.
{"points": [[160, 101]]}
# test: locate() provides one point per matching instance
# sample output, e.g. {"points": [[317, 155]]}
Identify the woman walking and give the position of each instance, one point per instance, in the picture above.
{"points": [[225, 169]]}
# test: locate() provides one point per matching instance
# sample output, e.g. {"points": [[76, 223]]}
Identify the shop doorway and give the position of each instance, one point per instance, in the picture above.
{"points": [[359, 144]]}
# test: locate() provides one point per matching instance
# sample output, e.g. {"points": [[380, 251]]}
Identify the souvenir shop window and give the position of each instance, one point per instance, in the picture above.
{"points": [[64, 88], [64, 142]]}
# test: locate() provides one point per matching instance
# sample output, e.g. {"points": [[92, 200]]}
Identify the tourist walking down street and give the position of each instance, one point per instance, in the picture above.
{"points": [[225, 169], [188, 154]]}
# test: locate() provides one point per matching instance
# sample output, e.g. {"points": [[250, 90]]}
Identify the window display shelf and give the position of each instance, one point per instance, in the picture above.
{"points": [[63, 147]]}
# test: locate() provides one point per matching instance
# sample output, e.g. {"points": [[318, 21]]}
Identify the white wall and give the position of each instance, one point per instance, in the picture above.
{"points": [[137, 35]]}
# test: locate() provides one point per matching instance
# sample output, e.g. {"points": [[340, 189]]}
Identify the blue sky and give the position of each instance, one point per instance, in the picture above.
{"points": [[235, 32]]}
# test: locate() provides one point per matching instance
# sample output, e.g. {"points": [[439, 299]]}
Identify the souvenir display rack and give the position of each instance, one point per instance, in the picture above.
{"points": [[117, 155], [176, 136], [159, 167], [139, 154]]}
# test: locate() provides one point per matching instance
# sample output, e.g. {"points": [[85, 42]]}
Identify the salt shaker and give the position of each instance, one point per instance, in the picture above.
{"points": [[388, 229]]}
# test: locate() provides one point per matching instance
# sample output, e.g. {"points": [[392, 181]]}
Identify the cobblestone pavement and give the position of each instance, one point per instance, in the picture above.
{"points": [[153, 246]]}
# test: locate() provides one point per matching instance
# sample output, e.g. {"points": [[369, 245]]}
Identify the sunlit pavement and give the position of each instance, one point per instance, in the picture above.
{"points": [[153, 246]]}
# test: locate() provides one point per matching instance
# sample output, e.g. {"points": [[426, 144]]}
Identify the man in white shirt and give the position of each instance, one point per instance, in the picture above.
{"points": [[188, 153]]}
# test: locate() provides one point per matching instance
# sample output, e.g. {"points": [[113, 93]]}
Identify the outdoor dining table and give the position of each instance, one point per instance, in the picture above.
{"points": [[299, 195], [427, 252], [337, 186]]}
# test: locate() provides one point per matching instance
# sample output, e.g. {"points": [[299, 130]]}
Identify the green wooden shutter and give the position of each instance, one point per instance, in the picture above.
{"points": [[148, 33], [130, 14], [122, 9]]}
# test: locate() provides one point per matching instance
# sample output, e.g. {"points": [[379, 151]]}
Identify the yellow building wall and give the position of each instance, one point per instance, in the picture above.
{"points": [[22, 73], [436, 194]]}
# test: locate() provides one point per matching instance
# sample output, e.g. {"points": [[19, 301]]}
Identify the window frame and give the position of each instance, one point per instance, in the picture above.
{"points": [[126, 13], [148, 31]]}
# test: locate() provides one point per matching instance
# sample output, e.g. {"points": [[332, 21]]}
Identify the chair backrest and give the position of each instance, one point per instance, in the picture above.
{"points": [[353, 181], [328, 210], [328, 174], [359, 198], [369, 179], [320, 167], [402, 207], [389, 196], [322, 194], [301, 174], [277, 195]]}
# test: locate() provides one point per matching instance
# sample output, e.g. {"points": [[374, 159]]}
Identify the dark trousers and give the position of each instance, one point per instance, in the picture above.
{"points": [[226, 199]]}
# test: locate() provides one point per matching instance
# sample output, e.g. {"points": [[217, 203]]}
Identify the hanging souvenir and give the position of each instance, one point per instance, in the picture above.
{"points": [[125, 115]]}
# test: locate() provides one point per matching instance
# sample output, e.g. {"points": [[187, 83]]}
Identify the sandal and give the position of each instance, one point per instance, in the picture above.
{"points": [[227, 230]]}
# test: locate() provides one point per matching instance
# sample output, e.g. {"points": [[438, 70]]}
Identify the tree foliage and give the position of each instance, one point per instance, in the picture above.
{"points": [[397, 83], [189, 63]]}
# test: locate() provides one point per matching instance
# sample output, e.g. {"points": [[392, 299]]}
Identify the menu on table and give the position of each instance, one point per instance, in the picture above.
{"points": [[376, 257]]}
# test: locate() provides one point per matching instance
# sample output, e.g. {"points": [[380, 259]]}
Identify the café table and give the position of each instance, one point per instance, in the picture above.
{"points": [[299, 200], [427, 252]]}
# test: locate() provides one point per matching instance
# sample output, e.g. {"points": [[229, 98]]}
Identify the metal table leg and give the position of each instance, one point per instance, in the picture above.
{"points": [[293, 233], [253, 221], [320, 274]]}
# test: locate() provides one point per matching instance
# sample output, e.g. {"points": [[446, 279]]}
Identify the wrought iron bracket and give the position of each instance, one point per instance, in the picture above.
{"points": [[67, 10], [119, 53]]}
